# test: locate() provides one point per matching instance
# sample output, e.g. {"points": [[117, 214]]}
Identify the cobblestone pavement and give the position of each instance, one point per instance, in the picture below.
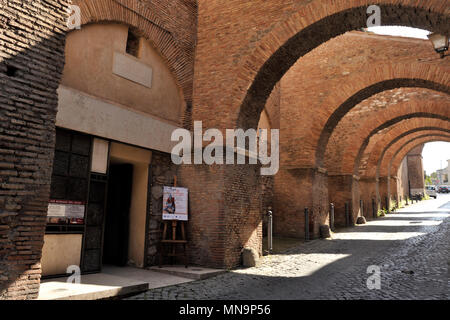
{"points": [[411, 248]]}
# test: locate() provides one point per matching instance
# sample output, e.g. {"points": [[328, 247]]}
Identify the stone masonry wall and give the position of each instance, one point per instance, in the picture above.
{"points": [[32, 39], [162, 172]]}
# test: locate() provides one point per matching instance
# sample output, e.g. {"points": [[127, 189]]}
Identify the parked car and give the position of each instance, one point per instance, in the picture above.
{"points": [[444, 189], [431, 191]]}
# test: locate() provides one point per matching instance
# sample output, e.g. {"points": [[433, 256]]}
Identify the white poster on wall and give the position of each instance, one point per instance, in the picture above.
{"points": [[66, 209], [175, 204]]}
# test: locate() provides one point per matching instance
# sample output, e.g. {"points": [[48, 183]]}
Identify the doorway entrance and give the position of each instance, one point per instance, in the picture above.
{"points": [[117, 220]]}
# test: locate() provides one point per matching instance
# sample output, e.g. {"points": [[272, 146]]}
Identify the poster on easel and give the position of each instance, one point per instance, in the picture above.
{"points": [[175, 204]]}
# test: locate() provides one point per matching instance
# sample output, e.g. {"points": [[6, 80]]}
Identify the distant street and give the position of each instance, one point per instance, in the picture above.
{"points": [[411, 248]]}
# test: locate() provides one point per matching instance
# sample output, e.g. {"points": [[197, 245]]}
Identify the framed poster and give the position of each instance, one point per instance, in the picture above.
{"points": [[62, 211], [175, 204]]}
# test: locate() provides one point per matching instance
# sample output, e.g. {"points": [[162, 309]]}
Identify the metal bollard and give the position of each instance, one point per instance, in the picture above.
{"points": [[361, 207], [347, 215], [332, 216], [374, 211], [306, 224], [270, 231], [387, 204]]}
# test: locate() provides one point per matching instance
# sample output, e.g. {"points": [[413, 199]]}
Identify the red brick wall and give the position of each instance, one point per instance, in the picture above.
{"points": [[28, 102], [258, 29], [223, 218], [340, 191], [415, 169], [294, 190]]}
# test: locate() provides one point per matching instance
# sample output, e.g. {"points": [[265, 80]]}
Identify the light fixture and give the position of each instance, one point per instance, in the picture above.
{"points": [[440, 43]]}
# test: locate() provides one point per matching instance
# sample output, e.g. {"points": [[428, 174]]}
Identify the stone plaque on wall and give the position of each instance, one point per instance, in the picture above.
{"points": [[130, 69]]}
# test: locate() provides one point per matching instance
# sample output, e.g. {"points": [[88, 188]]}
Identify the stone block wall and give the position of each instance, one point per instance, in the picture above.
{"points": [[162, 172]]}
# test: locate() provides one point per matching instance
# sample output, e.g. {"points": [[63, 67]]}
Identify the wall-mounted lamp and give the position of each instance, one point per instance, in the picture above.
{"points": [[440, 43]]}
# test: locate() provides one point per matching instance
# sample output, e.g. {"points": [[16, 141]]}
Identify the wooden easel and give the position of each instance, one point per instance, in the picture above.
{"points": [[173, 242]]}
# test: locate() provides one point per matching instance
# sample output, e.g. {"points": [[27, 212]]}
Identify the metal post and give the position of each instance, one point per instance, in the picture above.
{"points": [[374, 212], [332, 216], [270, 230], [347, 215], [387, 204], [306, 224], [361, 207]]}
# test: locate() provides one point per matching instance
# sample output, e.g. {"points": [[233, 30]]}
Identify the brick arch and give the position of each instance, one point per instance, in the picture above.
{"points": [[357, 88], [384, 147], [406, 147], [390, 127], [401, 152], [135, 14], [399, 135], [364, 94], [353, 65], [392, 150], [372, 184], [377, 149], [351, 134], [314, 24], [387, 139], [398, 156]]}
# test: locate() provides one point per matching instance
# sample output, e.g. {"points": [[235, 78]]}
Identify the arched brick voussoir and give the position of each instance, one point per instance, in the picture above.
{"points": [[377, 113], [317, 22], [401, 153], [329, 82], [390, 151], [373, 155], [371, 89], [137, 15], [379, 149]]}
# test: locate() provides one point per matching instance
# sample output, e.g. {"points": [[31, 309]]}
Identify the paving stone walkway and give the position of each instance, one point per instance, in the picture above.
{"points": [[410, 248]]}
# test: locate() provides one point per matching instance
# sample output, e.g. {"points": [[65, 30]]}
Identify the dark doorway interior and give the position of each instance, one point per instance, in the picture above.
{"points": [[115, 248]]}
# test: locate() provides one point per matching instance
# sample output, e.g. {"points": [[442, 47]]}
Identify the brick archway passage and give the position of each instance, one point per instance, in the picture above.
{"points": [[377, 187], [338, 76], [398, 156], [373, 115], [368, 186], [380, 152], [399, 135], [312, 25], [402, 152], [418, 117], [242, 51], [344, 187]]}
